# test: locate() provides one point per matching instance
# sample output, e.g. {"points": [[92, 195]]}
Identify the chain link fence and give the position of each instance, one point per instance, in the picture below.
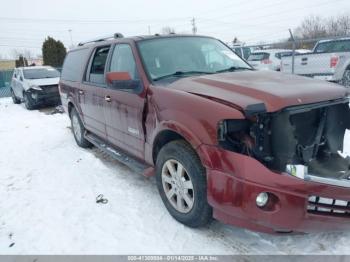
{"points": [[325, 59], [5, 82]]}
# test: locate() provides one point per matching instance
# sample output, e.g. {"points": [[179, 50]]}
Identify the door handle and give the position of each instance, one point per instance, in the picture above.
{"points": [[108, 98], [81, 92]]}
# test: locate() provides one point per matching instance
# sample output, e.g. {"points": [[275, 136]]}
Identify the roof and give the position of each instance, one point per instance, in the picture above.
{"points": [[271, 51], [132, 39], [334, 39], [34, 67]]}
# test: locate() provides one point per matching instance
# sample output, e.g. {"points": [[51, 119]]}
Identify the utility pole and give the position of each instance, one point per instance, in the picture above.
{"points": [[71, 38], [194, 27], [293, 54]]}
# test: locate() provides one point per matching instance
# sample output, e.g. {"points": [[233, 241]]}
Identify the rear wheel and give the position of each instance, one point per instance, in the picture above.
{"points": [[78, 129], [346, 78], [28, 101], [181, 183], [14, 97]]}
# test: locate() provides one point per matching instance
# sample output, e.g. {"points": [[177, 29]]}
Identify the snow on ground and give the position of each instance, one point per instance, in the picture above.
{"points": [[48, 187]]}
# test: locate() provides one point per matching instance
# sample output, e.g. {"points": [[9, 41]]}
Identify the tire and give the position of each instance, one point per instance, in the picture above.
{"points": [[346, 78], [173, 188], [78, 129], [28, 101], [14, 97]]}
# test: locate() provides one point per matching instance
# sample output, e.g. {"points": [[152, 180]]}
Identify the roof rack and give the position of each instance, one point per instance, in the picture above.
{"points": [[114, 36]]}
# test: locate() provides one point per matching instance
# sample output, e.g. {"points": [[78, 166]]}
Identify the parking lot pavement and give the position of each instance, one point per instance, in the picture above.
{"points": [[48, 190]]}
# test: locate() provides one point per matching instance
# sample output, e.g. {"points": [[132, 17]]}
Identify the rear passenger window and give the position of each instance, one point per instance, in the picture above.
{"points": [[97, 68], [74, 64]]}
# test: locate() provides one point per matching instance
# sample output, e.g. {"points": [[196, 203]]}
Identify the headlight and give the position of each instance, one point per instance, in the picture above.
{"points": [[35, 87]]}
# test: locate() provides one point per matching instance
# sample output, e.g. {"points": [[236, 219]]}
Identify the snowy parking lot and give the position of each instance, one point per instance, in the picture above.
{"points": [[48, 190]]}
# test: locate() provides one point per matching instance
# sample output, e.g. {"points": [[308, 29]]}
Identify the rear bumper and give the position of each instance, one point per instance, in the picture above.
{"points": [[235, 180]]}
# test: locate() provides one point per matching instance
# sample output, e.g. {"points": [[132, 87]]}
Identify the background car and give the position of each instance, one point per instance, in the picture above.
{"points": [[269, 59], [329, 60], [35, 86], [243, 52]]}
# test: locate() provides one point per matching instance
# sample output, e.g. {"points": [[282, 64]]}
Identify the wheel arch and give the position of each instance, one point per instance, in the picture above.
{"points": [[70, 107], [166, 136]]}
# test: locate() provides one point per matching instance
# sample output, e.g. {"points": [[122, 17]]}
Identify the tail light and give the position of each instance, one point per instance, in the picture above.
{"points": [[266, 61], [334, 61]]}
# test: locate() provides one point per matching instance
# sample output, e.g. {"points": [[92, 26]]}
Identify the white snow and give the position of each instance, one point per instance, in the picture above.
{"points": [[48, 187]]}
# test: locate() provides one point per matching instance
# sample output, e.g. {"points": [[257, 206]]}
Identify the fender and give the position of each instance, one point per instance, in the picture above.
{"points": [[182, 131], [193, 117]]}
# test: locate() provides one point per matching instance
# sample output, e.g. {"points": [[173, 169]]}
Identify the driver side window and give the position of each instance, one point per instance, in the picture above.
{"points": [[123, 61]]}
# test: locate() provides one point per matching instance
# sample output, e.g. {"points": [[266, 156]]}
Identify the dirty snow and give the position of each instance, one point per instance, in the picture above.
{"points": [[48, 187]]}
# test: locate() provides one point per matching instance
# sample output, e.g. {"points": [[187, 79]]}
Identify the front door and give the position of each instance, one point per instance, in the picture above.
{"points": [[124, 113], [92, 93]]}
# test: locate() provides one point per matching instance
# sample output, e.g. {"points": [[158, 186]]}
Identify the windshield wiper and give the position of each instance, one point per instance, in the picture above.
{"points": [[181, 73], [233, 68]]}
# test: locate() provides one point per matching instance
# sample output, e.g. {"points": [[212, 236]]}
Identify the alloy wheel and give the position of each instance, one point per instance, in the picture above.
{"points": [[346, 79], [177, 186], [76, 127]]}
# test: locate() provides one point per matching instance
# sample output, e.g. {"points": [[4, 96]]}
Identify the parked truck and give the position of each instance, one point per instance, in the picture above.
{"points": [[329, 60], [256, 149]]}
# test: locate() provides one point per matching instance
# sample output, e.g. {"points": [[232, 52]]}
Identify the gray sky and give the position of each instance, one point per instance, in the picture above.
{"points": [[25, 23]]}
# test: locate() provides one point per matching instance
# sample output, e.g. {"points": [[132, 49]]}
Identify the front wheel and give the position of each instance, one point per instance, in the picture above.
{"points": [[14, 97], [181, 183], [78, 129], [346, 78], [28, 101]]}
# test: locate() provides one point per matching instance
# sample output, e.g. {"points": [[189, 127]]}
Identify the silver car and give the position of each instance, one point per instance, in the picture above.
{"points": [[35, 86], [268, 59]]}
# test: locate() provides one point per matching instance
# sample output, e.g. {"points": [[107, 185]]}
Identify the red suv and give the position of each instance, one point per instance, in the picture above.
{"points": [[250, 148]]}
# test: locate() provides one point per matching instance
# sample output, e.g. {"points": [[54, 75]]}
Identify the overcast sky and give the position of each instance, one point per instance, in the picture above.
{"points": [[25, 23]]}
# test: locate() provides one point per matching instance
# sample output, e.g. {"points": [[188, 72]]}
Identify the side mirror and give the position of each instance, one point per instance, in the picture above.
{"points": [[122, 81]]}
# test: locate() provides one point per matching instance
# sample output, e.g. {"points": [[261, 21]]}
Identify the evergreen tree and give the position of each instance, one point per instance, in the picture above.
{"points": [[21, 61], [54, 52]]}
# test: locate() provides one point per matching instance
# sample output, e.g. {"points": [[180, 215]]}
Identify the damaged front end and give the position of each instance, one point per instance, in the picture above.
{"points": [[304, 141]]}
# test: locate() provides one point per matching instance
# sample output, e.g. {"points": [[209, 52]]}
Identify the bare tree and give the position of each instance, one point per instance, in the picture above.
{"points": [[344, 25], [15, 53], [311, 27], [27, 53], [168, 30]]}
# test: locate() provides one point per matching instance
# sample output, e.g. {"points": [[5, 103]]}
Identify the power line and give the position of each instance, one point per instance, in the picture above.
{"points": [[286, 11]]}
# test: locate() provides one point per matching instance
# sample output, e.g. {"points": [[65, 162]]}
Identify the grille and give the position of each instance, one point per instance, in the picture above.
{"points": [[50, 89], [328, 206]]}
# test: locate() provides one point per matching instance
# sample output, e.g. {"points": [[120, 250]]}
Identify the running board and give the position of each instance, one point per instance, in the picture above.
{"points": [[134, 164]]}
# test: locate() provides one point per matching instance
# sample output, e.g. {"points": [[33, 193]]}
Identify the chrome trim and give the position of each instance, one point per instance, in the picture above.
{"points": [[328, 181]]}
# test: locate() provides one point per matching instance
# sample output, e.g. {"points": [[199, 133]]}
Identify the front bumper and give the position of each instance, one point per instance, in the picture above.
{"points": [[235, 180], [48, 95]]}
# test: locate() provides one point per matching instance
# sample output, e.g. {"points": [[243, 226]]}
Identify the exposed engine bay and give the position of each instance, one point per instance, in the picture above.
{"points": [[310, 135]]}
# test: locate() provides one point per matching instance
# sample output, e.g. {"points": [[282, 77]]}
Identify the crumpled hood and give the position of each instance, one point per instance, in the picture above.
{"points": [[275, 90], [43, 81]]}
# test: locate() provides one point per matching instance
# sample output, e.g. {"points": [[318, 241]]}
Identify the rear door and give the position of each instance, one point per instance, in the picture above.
{"points": [[124, 113], [92, 92]]}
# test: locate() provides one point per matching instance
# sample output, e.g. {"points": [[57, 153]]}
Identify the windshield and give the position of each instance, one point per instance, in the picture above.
{"points": [[282, 54], [258, 56], [333, 46], [39, 73], [166, 56]]}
